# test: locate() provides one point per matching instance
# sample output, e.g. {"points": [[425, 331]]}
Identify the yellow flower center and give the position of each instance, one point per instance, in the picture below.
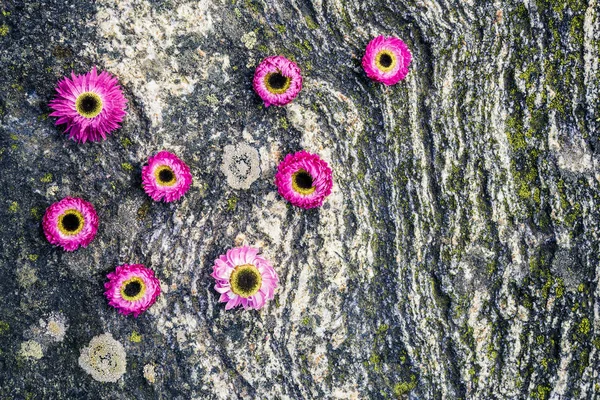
{"points": [[70, 222], [88, 104], [385, 60], [302, 182], [276, 83], [133, 289], [165, 176], [245, 280]]}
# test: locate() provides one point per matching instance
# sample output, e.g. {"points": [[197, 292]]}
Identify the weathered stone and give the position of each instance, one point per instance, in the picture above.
{"points": [[457, 256]]}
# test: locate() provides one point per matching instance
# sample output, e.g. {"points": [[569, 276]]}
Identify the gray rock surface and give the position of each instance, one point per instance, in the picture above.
{"points": [[457, 257]]}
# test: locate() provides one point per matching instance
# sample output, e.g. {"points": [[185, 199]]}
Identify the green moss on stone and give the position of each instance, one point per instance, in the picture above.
{"points": [[584, 326], [403, 388], [127, 167], [47, 178]]}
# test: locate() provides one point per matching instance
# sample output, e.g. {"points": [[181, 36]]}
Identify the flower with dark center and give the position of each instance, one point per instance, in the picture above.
{"points": [[90, 105], [70, 223], [304, 179], [132, 289], [386, 60], [166, 177], [244, 278], [277, 80]]}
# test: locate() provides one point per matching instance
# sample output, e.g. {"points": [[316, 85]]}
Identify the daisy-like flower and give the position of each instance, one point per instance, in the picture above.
{"points": [[91, 105], [243, 277], [70, 223], [304, 179], [277, 80], [386, 60], [132, 289], [166, 177]]}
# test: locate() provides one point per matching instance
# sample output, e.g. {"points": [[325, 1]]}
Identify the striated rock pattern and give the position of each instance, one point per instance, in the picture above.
{"points": [[457, 257]]}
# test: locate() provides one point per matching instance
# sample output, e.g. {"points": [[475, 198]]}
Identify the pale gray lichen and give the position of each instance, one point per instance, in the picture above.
{"points": [[240, 165], [150, 373], [31, 350], [104, 358], [55, 327], [50, 329]]}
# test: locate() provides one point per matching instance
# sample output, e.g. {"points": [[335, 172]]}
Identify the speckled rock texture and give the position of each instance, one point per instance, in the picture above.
{"points": [[457, 257]]}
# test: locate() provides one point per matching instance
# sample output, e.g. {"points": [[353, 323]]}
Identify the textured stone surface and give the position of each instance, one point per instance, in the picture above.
{"points": [[457, 256]]}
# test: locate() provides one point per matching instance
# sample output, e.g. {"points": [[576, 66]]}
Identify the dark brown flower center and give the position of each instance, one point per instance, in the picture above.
{"points": [[303, 180], [70, 222], [89, 104], [277, 81], [132, 289], [166, 175], [245, 280], [385, 60]]}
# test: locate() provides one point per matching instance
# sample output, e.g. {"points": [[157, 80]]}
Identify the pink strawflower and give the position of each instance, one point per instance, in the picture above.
{"points": [[91, 105], [131, 288], [166, 177], [243, 277], [277, 80], [304, 179], [386, 60], [70, 223]]}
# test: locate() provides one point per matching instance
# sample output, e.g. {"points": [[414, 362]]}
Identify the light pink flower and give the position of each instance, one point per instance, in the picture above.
{"points": [[166, 177], [131, 289], [70, 223], [304, 179], [386, 60], [243, 277], [277, 80], [91, 105]]}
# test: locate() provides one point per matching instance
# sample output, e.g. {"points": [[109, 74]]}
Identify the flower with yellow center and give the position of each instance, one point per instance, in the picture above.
{"points": [[245, 280], [302, 182], [277, 83], [133, 289], [70, 222], [88, 104], [385, 60], [165, 176]]}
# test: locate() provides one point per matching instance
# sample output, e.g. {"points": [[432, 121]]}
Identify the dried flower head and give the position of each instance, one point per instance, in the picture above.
{"points": [[91, 105], [304, 179], [386, 60], [166, 177], [132, 289], [104, 358], [70, 223], [244, 278], [277, 80]]}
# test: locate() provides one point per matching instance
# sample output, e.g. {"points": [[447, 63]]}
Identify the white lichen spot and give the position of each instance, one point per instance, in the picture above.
{"points": [[150, 373], [240, 165], [104, 358], [249, 40], [55, 327], [31, 350]]}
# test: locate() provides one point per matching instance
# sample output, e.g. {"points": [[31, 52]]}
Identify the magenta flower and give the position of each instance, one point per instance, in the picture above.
{"points": [[304, 179], [243, 277], [277, 80], [91, 105], [386, 60], [70, 223], [166, 177], [131, 288]]}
